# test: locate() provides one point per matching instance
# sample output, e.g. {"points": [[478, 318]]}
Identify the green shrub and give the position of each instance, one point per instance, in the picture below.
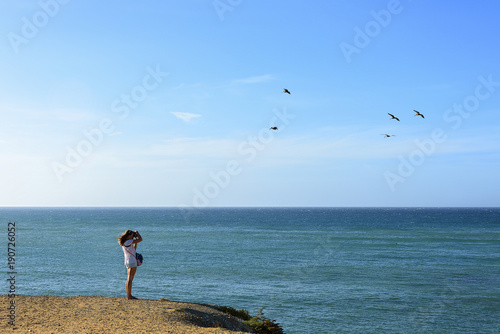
{"points": [[242, 314], [259, 323], [263, 325]]}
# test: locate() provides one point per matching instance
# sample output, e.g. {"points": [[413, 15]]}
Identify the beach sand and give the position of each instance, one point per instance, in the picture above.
{"points": [[96, 314]]}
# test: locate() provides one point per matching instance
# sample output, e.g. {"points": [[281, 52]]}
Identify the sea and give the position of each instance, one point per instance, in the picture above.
{"points": [[312, 270]]}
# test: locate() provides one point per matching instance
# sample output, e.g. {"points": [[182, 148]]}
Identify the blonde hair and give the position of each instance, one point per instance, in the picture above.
{"points": [[122, 238]]}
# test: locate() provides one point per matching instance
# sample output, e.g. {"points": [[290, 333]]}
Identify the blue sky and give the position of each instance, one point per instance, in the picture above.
{"points": [[169, 103]]}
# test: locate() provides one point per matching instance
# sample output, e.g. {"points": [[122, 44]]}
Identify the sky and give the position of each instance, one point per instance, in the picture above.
{"points": [[170, 103]]}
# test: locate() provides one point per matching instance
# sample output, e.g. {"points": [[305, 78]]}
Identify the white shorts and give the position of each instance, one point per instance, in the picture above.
{"points": [[131, 262]]}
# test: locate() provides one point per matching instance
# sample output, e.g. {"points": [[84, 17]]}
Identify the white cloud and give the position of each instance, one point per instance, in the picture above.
{"points": [[255, 79], [185, 116], [116, 133]]}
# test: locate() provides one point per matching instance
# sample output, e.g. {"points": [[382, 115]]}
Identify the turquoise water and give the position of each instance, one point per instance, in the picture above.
{"points": [[314, 270]]}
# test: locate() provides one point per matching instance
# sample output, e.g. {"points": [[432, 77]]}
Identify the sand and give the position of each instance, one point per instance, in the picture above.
{"points": [[96, 314]]}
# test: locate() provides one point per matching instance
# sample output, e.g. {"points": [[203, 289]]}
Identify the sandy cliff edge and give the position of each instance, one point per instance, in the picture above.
{"points": [[97, 314]]}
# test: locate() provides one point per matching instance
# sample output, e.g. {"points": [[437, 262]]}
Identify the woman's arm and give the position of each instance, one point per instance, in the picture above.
{"points": [[137, 239]]}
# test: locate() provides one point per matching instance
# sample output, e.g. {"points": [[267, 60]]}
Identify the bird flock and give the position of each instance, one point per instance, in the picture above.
{"points": [[284, 91], [417, 113]]}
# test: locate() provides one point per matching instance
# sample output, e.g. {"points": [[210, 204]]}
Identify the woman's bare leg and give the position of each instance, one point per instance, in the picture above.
{"points": [[128, 285]]}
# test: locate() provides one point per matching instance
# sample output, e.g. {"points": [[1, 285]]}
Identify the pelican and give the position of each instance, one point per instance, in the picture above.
{"points": [[285, 91], [393, 117], [273, 128], [386, 135], [418, 114]]}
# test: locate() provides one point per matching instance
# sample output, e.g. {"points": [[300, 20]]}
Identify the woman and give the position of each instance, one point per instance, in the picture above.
{"points": [[129, 240]]}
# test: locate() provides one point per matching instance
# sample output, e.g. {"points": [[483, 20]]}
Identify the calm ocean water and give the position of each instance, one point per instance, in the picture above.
{"points": [[314, 270]]}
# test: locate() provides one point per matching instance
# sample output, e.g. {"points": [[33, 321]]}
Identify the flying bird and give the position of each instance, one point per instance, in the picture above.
{"points": [[285, 91], [393, 117], [386, 135], [273, 128], [418, 113]]}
